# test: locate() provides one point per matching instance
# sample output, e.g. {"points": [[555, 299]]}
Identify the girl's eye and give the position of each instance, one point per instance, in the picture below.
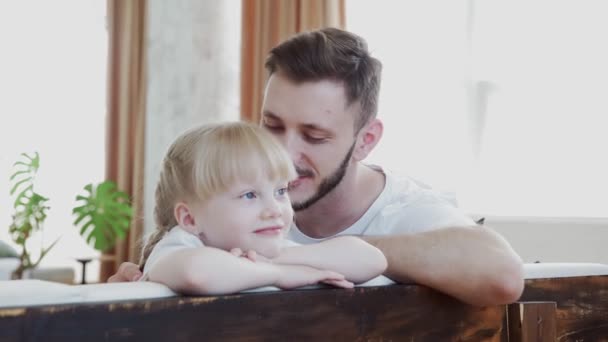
{"points": [[282, 191], [249, 195]]}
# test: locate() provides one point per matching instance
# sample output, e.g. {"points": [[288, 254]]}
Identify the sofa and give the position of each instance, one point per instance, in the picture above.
{"points": [[562, 301], [32, 292]]}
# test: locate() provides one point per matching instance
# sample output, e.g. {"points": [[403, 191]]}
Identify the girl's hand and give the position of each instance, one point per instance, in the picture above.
{"points": [[237, 252], [293, 276], [251, 255]]}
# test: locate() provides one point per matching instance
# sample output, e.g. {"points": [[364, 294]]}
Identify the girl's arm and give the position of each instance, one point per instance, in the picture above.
{"points": [[212, 271], [356, 259]]}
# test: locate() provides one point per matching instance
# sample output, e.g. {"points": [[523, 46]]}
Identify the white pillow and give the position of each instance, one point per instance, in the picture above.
{"points": [[19, 293], [123, 291], [563, 270]]}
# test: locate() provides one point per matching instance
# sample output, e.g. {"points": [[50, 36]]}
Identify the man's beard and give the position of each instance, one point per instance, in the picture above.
{"points": [[327, 185]]}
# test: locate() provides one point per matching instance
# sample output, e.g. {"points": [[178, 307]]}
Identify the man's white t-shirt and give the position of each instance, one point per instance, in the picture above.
{"points": [[404, 206]]}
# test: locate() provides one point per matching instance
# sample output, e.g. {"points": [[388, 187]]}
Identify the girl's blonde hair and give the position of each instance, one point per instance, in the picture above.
{"points": [[206, 161]]}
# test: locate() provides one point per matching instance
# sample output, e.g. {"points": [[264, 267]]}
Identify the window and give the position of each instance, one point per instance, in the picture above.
{"points": [[53, 88], [502, 102]]}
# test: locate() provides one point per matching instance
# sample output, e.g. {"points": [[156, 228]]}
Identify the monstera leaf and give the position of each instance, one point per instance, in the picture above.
{"points": [[103, 215], [30, 211], [30, 207], [23, 178]]}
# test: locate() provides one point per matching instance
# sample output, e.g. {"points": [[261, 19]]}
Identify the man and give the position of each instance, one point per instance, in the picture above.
{"points": [[321, 103]]}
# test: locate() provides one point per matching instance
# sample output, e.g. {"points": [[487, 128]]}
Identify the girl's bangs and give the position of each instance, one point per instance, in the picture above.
{"points": [[243, 154]]}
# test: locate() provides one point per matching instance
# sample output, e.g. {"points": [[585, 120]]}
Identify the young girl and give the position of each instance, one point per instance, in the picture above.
{"points": [[222, 214]]}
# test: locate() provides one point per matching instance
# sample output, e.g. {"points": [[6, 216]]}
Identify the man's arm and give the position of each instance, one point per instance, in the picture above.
{"points": [[351, 256], [474, 264]]}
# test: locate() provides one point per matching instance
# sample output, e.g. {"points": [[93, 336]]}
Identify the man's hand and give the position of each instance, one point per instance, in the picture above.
{"points": [[127, 271], [293, 276]]}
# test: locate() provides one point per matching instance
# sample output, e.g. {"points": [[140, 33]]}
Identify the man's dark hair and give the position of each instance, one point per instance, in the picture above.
{"points": [[332, 54]]}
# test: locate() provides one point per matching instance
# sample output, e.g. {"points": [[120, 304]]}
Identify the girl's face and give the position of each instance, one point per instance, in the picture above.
{"points": [[249, 215]]}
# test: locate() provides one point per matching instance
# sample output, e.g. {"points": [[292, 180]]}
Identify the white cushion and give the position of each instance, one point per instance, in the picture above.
{"points": [[36, 292], [562, 270], [123, 291], [28, 292], [378, 281], [20, 293]]}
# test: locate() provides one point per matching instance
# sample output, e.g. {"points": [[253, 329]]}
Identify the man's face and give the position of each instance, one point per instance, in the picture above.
{"points": [[313, 122]]}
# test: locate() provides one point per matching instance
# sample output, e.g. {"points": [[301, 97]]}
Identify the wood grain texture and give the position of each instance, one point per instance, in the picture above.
{"points": [[532, 322], [581, 305], [577, 310], [390, 313]]}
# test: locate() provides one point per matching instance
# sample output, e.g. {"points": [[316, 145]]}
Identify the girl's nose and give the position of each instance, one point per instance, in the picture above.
{"points": [[271, 209]]}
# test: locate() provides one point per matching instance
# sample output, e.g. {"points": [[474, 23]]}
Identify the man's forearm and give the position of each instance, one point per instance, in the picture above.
{"points": [[473, 264], [351, 256]]}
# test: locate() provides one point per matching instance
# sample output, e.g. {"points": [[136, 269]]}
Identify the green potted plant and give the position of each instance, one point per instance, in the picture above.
{"points": [[30, 212], [103, 216], [102, 213]]}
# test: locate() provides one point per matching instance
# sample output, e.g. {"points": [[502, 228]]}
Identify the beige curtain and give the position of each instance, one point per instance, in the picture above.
{"points": [[265, 24], [125, 125]]}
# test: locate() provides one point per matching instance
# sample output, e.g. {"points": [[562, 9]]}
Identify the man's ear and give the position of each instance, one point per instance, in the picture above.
{"points": [[367, 138], [185, 217]]}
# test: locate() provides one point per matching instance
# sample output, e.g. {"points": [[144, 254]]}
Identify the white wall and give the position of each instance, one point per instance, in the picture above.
{"points": [[193, 75], [52, 86]]}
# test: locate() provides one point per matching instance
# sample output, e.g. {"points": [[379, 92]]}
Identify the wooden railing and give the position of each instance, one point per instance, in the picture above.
{"points": [[559, 309], [581, 307]]}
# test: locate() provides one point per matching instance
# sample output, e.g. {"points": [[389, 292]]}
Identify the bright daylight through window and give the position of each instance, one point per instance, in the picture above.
{"points": [[53, 88], [503, 102]]}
